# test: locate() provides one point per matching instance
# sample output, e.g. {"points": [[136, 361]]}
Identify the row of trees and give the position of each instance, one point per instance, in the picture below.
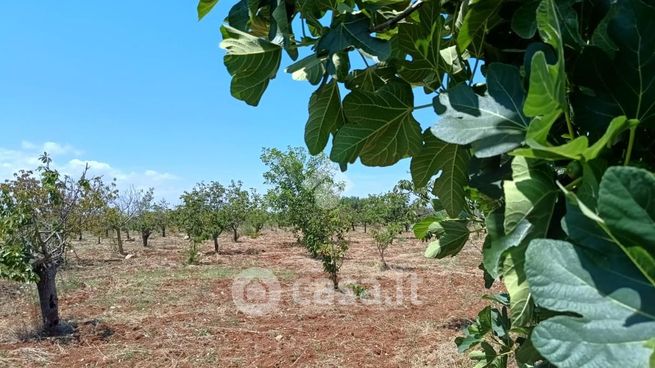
{"points": [[42, 211]]}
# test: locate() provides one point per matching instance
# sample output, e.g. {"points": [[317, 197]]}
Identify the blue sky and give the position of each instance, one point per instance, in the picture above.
{"points": [[139, 89]]}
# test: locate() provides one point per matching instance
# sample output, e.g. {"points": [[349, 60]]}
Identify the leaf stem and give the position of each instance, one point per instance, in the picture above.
{"points": [[402, 15], [567, 116], [422, 106], [631, 143]]}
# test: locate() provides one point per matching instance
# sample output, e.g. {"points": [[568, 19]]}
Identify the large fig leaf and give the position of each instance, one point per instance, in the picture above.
{"points": [[614, 306], [251, 61], [626, 203], [452, 160], [380, 127], [493, 123], [624, 85], [325, 116]]}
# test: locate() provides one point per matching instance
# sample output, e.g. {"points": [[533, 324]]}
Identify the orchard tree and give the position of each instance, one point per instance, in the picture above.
{"points": [[258, 214], [145, 220], [302, 187], [91, 212], [307, 197], [124, 207], [35, 229], [383, 237], [237, 207], [202, 214], [353, 210], [162, 216], [544, 106]]}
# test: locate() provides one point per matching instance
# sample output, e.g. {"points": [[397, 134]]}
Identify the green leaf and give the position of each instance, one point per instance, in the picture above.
{"points": [[617, 126], [204, 7], [531, 196], [497, 242], [380, 128], [626, 203], [352, 30], [433, 249], [280, 24], [480, 14], [521, 305], [624, 85], [651, 344], [452, 161], [614, 303], [524, 19], [493, 123], [547, 90], [427, 226], [577, 149], [422, 40], [251, 61], [454, 238], [311, 69], [572, 150], [325, 116]]}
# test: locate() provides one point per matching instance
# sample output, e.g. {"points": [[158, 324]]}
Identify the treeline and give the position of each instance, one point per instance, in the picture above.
{"points": [[43, 210]]}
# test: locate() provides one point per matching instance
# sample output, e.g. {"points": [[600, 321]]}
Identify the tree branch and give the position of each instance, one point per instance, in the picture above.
{"points": [[402, 15]]}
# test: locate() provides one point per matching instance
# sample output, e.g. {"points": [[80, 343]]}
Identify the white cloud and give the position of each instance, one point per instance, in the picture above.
{"points": [[26, 158], [56, 149]]}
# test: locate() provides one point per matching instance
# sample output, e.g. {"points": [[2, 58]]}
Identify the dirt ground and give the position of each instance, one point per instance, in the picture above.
{"points": [[152, 310]]}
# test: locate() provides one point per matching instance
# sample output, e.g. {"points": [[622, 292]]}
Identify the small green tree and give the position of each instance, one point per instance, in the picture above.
{"points": [[383, 237], [202, 214], [35, 215], [162, 216], [307, 197], [145, 220], [258, 214], [353, 210], [237, 207]]}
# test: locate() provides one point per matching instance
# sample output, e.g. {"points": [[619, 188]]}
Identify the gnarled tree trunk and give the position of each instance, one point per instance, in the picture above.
{"points": [[215, 237], [48, 300], [145, 234], [236, 234], [119, 241]]}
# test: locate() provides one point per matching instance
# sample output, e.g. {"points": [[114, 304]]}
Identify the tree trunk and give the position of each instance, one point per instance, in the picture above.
{"points": [[127, 234], [163, 231], [119, 241], [353, 225], [364, 227], [98, 239], [48, 300], [79, 236], [215, 243], [106, 233], [236, 234], [383, 262], [335, 280], [145, 234], [406, 227]]}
